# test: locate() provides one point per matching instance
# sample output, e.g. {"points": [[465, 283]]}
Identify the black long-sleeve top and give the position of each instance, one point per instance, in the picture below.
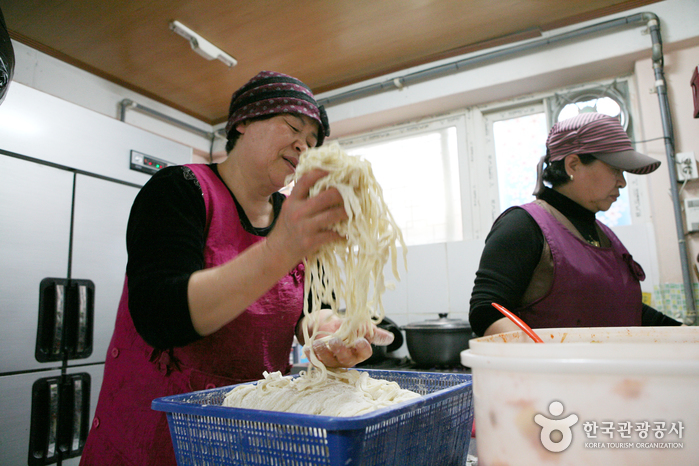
{"points": [[512, 251]]}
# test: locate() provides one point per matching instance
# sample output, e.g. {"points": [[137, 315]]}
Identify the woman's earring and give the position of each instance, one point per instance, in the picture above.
{"points": [[571, 177]]}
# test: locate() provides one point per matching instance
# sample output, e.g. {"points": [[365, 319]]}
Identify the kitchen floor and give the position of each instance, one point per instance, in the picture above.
{"points": [[472, 458]]}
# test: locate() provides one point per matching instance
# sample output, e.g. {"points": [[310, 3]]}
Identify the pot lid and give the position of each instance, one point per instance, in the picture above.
{"points": [[442, 323]]}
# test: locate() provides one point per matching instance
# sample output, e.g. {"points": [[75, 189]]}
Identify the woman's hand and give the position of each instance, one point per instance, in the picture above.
{"points": [[333, 352], [304, 223], [501, 326]]}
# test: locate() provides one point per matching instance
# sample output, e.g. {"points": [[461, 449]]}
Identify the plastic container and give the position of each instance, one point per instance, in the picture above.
{"points": [[431, 430], [587, 396]]}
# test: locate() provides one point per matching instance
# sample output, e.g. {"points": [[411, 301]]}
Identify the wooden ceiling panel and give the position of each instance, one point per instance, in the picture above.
{"points": [[326, 43]]}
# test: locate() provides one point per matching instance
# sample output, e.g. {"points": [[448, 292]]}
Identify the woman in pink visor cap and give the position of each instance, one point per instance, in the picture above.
{"points": [[550, 261]]}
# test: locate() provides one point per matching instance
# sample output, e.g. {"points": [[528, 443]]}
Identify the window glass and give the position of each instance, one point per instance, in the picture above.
{"points": [[605, 105], [620, 212], [418, 173], [519, 144], [447, 178]]}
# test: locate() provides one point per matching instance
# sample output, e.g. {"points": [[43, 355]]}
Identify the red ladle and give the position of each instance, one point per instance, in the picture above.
{"points": [[519, 322]]}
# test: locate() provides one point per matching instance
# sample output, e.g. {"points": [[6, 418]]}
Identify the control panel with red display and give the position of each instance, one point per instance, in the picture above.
{"points": [[146, 163]]}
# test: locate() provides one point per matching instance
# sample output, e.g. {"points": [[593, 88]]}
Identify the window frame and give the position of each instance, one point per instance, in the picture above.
{"points": [[492, 117], [477, 166], [553, 101]]}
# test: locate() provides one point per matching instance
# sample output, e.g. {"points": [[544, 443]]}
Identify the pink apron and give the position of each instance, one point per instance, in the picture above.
{"points": [[125, 430]]}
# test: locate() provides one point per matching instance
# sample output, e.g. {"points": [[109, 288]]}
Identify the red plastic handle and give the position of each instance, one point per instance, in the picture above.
{"points": [[520, 323]]}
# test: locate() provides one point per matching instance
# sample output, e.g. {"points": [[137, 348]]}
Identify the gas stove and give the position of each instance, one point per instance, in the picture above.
{"points": [[407, 364], [398, 364]]}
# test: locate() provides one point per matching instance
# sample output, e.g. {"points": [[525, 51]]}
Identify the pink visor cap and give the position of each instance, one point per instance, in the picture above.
{"points": [[601, 136]]}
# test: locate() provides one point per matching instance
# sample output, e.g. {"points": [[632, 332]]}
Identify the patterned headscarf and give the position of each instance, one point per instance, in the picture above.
{"points": [[270, 93]]}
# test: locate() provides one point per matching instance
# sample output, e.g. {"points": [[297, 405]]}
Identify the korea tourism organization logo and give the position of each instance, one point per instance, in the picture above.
{"points": [[550, 426], [557, 432]]}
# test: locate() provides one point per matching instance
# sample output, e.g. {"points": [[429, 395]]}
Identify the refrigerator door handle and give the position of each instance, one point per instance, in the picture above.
{"points": [[54, 304], [66, 316], [79, 319], [59, 419], [59, 319], [52, 438], [82, 318], [77, 414]]}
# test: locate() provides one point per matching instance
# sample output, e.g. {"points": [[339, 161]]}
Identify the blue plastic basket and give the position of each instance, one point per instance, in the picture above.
{"points": [[431, 430]]}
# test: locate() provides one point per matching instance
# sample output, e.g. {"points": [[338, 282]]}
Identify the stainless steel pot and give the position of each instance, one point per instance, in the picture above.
{"points": [[437, 342]]}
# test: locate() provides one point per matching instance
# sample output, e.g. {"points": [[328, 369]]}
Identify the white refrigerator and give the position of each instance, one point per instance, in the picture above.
{"points": [[65, 198]]}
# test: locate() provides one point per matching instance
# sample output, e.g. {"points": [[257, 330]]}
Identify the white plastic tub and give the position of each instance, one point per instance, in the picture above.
{"points": [[611, 378]]}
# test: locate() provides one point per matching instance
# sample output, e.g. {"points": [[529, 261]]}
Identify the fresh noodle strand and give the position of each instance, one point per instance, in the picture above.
{"points": [[351, 271]]}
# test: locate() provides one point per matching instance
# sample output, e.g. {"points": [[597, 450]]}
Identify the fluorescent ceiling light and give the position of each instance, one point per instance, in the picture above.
{"points": [[202, 46]]}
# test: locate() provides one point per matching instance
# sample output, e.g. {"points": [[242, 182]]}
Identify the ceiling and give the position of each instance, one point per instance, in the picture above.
{"points": [[327, 44]]}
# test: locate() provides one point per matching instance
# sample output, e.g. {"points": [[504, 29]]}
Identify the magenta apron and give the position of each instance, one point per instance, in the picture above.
{"points": [[592, 286], [125, 430]]}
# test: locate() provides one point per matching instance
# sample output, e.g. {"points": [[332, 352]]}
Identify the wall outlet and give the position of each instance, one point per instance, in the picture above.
{"points": [[686, 166]]}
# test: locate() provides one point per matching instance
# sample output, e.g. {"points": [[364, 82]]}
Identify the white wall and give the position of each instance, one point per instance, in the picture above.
{"points": [[54, 77]]}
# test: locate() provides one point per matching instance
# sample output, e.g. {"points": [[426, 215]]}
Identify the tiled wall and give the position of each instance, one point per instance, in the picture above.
{"points": [[669, 299], [439, 280]]}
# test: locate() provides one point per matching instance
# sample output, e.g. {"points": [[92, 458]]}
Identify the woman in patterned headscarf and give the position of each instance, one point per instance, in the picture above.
{"points": [[551, 261], [214, 289]]}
